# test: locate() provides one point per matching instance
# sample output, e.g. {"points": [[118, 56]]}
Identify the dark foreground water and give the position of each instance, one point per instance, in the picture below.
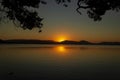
{"points": [[59, 62]]}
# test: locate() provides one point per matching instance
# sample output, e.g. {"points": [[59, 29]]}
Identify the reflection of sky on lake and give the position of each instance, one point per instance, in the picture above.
{"points": [[63, 61], [60, 52]]}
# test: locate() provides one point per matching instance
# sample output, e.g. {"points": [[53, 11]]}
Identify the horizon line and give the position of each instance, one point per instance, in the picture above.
{"points": [[61, 41]]}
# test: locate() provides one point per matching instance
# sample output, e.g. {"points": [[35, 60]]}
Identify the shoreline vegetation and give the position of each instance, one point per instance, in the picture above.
{"points": [[66, 42]]}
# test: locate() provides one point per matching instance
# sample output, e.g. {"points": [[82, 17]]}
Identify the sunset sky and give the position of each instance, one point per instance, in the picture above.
{"points": [[62, 23]]}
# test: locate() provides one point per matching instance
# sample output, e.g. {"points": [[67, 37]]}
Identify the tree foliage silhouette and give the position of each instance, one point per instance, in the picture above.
{"points": [[20, 10], [97, 8]]}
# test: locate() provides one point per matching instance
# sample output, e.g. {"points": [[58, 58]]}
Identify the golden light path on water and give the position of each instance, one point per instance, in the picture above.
{"points": [[61, 49]]}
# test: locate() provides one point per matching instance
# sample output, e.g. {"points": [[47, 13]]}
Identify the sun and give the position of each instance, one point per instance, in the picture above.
{"points": [[61, 39]]}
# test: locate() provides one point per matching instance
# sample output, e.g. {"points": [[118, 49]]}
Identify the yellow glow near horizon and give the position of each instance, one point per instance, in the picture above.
{"points": [[61, 38]]}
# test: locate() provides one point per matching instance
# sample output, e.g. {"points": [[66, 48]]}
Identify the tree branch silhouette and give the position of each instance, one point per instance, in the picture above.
{"points": [[16, 11], [97, 8]]}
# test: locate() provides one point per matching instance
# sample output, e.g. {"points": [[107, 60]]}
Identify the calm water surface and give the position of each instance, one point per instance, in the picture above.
{"points": [[59, 62]]}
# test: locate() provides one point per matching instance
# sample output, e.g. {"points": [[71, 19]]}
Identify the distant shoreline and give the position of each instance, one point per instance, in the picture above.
{"points": [[66, 42]]}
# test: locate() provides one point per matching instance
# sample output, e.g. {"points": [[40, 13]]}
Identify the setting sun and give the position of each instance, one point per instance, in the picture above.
{"points": [[60, 39]]}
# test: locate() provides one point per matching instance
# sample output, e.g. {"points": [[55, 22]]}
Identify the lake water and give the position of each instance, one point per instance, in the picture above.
{"points": [[59, 62]]}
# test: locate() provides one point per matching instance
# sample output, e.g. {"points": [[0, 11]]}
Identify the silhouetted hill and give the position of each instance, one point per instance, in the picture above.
{"points": [[69, 42], [30, 41], [85, 42], [24, 41], [1, 41], [82, 42], [109, 43]]}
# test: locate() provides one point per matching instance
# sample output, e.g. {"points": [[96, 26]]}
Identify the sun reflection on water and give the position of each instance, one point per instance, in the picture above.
{"points": [[61, 48]]}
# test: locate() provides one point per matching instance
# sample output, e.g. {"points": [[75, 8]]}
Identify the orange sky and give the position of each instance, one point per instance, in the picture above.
{"points": [[66, 24]]}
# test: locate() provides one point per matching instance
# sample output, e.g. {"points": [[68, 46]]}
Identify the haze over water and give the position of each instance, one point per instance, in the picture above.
{"points": [[59, 62]]}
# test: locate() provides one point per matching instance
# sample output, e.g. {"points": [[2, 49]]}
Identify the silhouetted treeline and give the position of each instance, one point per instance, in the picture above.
{"points": [[22, 41], [67, 42]]}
